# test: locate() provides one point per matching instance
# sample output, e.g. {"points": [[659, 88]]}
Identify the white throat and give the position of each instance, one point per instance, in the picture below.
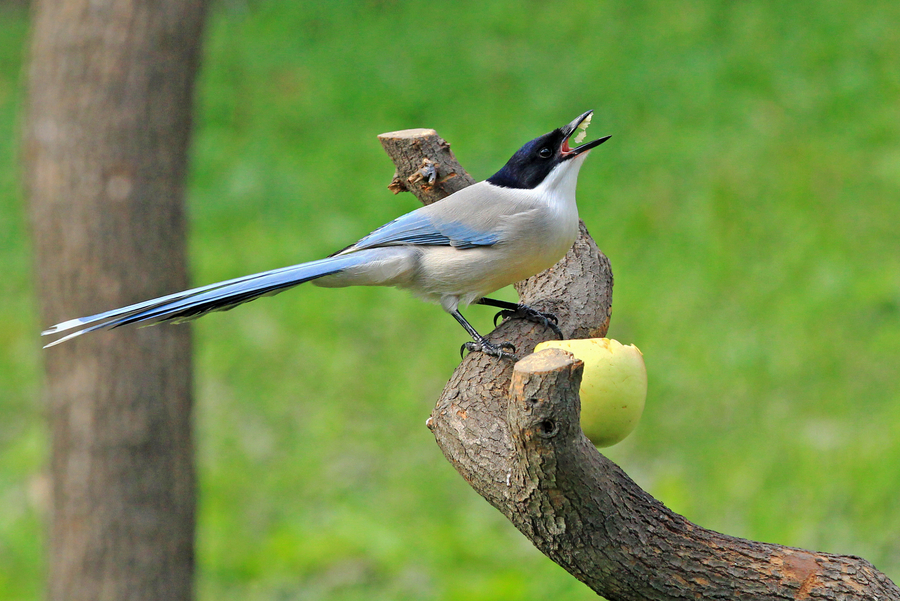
{"points": [[559, 185]]}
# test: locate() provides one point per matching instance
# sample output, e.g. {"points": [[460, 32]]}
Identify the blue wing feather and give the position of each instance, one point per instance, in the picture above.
{"points": [[419, 227]]}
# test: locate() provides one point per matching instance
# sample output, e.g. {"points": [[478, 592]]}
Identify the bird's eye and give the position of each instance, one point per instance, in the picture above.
{"points": [[544, 153]]}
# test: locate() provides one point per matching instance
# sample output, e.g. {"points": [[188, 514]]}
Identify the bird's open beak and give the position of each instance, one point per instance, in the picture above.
{"points": [[579, 125]]}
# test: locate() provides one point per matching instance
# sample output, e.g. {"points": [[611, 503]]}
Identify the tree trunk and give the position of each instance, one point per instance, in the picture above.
{"points": [[513, 432], [109, 116]]}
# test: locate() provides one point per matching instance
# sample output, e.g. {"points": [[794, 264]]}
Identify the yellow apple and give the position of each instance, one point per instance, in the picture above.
{"points": [[613, 387]]}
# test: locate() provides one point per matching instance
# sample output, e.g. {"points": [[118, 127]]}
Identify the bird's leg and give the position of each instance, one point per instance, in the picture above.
{"points": [[521, 311], [502, 350]]}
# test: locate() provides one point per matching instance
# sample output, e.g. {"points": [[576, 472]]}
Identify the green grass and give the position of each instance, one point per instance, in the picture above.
{"points": [[23, 436], [749, 201]]}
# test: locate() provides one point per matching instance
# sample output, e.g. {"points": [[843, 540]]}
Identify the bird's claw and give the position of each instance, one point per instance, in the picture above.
{"points": [[525, 312], [504, 350]]}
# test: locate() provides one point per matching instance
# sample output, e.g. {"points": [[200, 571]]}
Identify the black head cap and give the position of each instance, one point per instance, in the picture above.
{"points": [[534, 161]]}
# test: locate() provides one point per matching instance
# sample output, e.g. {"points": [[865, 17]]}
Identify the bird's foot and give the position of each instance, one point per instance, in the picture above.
{"points": [[525, 312], [504, 350]]}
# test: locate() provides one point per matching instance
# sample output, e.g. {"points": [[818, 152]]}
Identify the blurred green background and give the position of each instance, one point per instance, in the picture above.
{"points": [[749, 201]]}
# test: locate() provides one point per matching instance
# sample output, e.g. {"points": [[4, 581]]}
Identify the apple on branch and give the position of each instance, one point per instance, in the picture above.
{"points": [[613, 386]]}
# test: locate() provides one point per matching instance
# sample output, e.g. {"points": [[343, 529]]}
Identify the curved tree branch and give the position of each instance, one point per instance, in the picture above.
{"points": [[513, 433]]}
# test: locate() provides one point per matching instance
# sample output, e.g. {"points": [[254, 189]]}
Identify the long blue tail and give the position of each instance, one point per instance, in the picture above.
{"points": [[190, 304]]}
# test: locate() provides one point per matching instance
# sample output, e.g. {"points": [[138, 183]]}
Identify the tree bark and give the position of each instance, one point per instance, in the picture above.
{"points": [[425, 164], [106, 138], [513, 432]]}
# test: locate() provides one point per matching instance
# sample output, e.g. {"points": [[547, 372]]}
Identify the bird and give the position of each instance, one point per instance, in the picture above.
{"points": [[455, 252]]}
